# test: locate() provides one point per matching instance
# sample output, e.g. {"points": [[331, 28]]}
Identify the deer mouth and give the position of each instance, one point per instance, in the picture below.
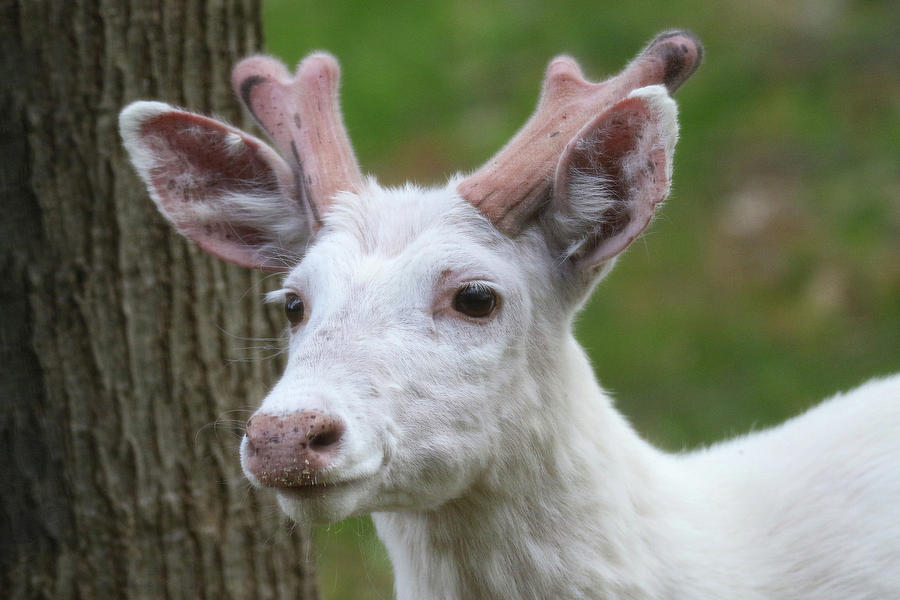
{"points": [[318, 488]]}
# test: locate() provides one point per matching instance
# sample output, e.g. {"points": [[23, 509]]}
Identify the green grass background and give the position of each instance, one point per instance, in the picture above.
{"points": [[772, 277]]}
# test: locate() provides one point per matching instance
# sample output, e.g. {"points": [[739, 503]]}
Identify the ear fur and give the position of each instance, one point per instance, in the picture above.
{"points": [[611, 176], [222, 188]]}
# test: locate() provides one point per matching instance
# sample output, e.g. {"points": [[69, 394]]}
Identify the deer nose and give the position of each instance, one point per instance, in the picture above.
{"points": [[291, 450]]}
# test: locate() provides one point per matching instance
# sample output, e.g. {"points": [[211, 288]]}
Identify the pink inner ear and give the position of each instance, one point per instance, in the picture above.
{"points": [[205, 162], [623, 146], [200, 169]]}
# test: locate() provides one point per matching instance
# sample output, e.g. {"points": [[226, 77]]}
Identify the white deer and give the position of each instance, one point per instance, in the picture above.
{"points": [[433, 379]]}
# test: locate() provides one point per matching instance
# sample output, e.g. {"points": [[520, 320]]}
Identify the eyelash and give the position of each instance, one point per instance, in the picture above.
{"points": [[476, 300]]}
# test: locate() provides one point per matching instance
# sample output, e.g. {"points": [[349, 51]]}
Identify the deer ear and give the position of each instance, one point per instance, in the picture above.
{"points": [[222, 188], [611, 176]]}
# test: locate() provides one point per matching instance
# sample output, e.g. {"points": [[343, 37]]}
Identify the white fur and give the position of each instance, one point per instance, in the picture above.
{"points": [[592, 205], [496, 467], [666, 113], [131, 119]]}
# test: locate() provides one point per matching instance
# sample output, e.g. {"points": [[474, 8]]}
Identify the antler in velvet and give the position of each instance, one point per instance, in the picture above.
{"points": [[302, 116], [511, 185]]}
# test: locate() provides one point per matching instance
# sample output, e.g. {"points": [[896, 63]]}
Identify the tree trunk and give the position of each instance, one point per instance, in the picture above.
{"points": [[117, 340]]}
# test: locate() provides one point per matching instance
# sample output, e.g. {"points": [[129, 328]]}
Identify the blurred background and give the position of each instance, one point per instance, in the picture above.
{"points": [[772, 277]]}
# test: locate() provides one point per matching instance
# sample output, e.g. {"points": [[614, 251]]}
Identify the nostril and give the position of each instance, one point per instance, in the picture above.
{"points": [[322, 432], [324, 439]]}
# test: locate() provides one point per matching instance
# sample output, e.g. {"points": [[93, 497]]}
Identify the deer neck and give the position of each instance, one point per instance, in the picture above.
{"points": [[572, 513]]}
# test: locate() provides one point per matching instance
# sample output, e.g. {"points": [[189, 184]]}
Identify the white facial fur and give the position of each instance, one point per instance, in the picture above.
{"points": [[429, 395]]}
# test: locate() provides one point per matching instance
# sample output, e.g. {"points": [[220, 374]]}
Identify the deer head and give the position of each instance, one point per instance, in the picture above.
{"points": [[426, 326]]}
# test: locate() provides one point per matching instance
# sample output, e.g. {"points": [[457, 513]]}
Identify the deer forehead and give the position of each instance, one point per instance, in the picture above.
{"points": [[409, 239]]}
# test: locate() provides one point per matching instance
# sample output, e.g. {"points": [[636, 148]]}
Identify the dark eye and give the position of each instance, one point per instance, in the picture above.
{"points": [[293, 309], [475, 300]]}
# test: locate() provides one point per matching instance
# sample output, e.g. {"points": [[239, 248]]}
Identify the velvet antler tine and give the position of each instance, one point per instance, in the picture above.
{"points": [[302, 116], [325, 145], [512, 184]]}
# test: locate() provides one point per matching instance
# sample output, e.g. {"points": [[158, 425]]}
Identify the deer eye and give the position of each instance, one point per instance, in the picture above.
{"points": [[475, 300], [293, 309]]}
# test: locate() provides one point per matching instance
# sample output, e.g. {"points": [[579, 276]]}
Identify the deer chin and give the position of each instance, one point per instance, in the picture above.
{"points": [[326, 502]]}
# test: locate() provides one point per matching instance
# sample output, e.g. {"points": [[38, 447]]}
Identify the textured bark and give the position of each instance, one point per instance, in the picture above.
{"points": [[116, 337]]}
